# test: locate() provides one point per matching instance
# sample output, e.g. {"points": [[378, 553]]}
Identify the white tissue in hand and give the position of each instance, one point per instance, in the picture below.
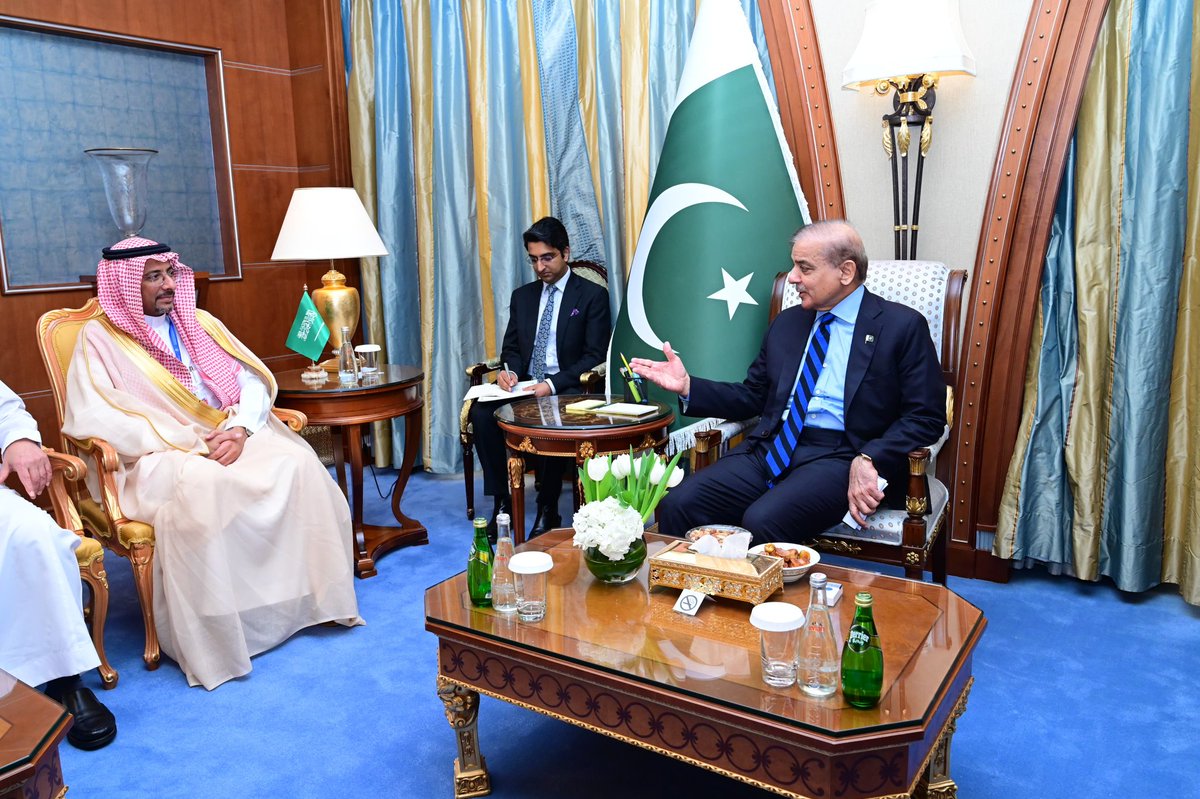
{"points": [[732, 546], [848, 520]]}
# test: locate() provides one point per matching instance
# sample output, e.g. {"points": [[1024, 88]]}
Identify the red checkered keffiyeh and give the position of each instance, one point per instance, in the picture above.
{"points": [[119, 288]]}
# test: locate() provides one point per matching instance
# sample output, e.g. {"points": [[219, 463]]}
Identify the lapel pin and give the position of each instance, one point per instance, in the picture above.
{"points": [[870, 339]]}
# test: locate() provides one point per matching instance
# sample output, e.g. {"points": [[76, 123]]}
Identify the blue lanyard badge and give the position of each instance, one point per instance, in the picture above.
{"points": [[174, 340]]}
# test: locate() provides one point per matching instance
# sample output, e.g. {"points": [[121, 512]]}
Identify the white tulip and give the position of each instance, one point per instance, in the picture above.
{"points": [[621, 466], [658, 472], [675, 478], [597, 468]]}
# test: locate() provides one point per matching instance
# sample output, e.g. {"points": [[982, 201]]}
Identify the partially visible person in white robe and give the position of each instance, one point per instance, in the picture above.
{"points": [[43, 638], [253, 537]]}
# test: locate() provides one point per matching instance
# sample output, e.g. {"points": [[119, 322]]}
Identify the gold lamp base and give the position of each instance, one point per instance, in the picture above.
{"points": [[339, 306]]}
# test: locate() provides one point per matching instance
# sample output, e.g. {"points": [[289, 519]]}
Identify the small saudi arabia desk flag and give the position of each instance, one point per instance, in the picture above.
{"points": [[309, 332], [724, 204]]}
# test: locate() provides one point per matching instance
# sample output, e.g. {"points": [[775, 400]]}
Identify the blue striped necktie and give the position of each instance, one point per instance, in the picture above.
{"points": [[779, 454], [542, 340]]}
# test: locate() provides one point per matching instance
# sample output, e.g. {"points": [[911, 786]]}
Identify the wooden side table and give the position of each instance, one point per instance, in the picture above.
{"points": [[543, 427], [31, 728], [396, 393]]}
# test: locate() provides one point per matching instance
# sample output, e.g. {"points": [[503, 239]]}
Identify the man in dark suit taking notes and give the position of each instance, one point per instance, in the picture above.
{"points": [[558, 328], [845, 385]]}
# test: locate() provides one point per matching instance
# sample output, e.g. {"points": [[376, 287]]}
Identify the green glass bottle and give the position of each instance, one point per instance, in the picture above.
{"points": [[479, 567], [862, 657]]}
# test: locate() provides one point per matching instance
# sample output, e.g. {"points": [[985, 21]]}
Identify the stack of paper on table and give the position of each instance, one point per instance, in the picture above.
{"points": [[625, 409], [583, 406], [491, 392]]}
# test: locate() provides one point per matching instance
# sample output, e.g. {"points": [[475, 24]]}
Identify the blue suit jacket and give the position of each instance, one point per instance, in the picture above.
{"points": [[895, 398]]}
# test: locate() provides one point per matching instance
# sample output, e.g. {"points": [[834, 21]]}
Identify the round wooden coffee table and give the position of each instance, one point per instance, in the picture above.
{"points": [[395, 392], [543, 426]]}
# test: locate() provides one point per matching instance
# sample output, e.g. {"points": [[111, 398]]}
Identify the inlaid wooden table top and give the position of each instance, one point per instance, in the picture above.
{"points": [[926, 632]]}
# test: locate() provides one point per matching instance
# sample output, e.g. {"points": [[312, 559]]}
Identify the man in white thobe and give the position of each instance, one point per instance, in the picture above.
{"points": [[252, 536], [43, 638]]}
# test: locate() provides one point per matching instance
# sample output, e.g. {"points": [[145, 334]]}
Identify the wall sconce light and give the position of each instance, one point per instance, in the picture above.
{"points": [[906, 47]]}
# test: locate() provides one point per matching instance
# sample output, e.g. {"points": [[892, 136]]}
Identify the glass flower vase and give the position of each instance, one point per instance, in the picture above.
{"points": [[616, 572]]}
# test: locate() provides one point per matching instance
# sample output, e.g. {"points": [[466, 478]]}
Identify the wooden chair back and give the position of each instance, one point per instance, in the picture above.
{"points": [[58, 333]]}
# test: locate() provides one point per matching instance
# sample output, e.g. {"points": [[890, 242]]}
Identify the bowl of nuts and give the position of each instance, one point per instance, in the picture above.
{"points": [[797, 558]]}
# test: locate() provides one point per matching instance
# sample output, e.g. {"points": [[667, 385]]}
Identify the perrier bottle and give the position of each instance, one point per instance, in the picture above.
{"points": [[479, 567], [862, 658]]}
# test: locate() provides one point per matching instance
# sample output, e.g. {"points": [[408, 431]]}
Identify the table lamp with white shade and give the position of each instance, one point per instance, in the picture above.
{"points": [[328, 223], [906, 46]]}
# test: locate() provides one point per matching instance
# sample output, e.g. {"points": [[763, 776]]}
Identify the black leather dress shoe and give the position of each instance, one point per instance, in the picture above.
{"points": [[547, 519], [95, 726]]}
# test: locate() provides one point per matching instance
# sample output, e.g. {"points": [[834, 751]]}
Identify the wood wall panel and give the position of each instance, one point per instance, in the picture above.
{"points": [[283, 84], [259, 101]]}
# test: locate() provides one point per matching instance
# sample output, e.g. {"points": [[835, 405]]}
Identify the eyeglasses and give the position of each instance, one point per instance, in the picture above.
{"points": [[546, 258], [156, 277]]}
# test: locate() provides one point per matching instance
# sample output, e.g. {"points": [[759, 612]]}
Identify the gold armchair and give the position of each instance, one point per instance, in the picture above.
{"points": [[592, 382], [101, 515]]}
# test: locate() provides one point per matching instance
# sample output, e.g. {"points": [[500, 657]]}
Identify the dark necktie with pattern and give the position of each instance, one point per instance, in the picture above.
{"points": [[538, 365], [779, 454]]}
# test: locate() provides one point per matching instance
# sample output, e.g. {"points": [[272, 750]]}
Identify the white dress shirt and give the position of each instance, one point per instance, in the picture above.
{"points": [[255, 403], [826, 407], [552, 366]]}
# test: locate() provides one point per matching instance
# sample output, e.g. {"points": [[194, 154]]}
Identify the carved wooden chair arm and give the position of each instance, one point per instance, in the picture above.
{"points": [[476, 371], [592, 381], [66, 468], [106, 463], [707, 449], [296, 420], [72, 468]]}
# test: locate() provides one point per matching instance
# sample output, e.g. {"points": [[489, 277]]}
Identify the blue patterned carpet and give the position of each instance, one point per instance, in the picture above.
{"points": [[1080, 690]]}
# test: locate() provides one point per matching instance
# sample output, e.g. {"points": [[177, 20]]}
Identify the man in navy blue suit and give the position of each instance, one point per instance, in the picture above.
{"points": [[845, 386], [558, 328]]}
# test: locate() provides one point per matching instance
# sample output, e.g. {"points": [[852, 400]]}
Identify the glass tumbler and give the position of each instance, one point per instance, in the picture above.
{"points": [[530, 569], [369, 353], [779, 626]]}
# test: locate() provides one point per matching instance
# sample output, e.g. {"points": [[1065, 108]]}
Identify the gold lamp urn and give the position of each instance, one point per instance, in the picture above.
{"points": [[338, 305]]}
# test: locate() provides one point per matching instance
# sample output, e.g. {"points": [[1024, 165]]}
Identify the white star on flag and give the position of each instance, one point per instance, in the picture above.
{"points": [[734, 293]]}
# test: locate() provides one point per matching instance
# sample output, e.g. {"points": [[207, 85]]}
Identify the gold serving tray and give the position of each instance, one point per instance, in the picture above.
{"points": [[716, 581]]}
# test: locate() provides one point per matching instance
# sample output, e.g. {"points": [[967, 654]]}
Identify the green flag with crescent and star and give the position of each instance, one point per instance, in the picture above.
{"points": [[724, 204], [309, 332]]}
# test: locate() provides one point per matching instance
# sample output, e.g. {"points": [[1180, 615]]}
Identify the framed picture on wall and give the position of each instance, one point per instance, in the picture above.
{"points": [[64, 91]]}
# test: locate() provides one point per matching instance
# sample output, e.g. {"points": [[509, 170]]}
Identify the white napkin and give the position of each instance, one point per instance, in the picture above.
{"points": [[733, 547], [848, 520]]}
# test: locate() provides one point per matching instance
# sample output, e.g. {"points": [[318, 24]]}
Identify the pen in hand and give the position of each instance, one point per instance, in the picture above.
{"points": [[507, 371]]}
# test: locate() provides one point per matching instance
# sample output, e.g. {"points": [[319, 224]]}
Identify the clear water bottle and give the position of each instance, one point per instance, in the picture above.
{"points": [[347, 363], [504, 583], [819, 660]]}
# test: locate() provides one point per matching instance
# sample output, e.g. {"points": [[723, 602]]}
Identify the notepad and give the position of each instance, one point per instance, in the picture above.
{"points": [[626, 409], [491, 392], [583, 406]]}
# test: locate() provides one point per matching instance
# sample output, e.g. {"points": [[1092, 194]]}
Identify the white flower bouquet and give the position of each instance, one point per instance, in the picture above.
{"points": [[619, 495]]}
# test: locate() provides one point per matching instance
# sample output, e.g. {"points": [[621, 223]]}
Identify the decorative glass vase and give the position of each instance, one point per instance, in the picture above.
{"points": [[123, 170], [616, 572]]}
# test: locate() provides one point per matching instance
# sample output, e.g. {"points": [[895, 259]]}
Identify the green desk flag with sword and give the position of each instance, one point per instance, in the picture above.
{"points": [[724, 204], [309, 332]]}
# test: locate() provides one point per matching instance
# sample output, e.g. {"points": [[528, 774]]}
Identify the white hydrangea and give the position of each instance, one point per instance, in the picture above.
{"points": [[607, 526]]}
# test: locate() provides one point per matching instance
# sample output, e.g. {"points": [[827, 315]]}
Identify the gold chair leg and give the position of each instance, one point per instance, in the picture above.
{"points": [[97, 581], [142, 558], [462, 711]]}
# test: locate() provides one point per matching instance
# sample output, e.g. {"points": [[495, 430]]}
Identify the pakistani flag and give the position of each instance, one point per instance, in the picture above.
{"points": [[309, 332], [723, 206]]}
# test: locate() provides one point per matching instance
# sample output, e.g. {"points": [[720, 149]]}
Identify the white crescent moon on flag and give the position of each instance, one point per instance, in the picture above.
{"points": [[666, 205]]}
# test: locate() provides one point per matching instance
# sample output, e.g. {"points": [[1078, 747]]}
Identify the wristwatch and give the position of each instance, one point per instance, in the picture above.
{"points": [[866, 457]]}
